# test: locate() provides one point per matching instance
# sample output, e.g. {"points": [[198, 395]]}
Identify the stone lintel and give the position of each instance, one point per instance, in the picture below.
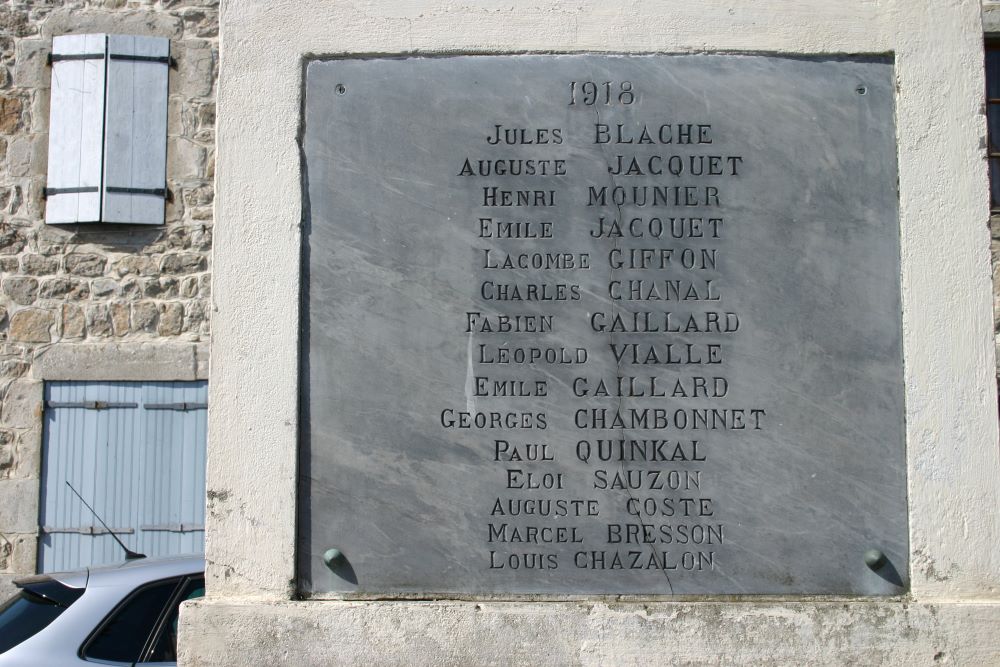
{"points": [[123, 361]]}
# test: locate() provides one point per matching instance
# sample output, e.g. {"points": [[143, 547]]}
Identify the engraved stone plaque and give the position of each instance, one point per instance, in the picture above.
{"points": [[597, 324]]}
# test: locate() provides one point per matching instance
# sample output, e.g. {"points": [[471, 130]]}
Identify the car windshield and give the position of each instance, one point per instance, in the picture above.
{"points": [[35, 606]]}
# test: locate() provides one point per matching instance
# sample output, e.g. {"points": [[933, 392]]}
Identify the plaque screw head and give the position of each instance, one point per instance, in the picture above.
{"points": [[333, 558], [340, 88], [875, 559], [861, 90]]}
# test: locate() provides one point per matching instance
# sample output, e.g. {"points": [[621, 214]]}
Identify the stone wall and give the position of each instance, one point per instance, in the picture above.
{"points": [[106, 292]]}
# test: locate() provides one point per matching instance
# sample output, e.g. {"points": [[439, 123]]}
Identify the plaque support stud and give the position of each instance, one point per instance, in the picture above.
{"points": [[875, 559], [333, 558]]}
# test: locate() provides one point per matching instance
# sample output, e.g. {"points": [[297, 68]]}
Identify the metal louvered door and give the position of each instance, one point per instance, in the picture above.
{"points": [[136, 453]]}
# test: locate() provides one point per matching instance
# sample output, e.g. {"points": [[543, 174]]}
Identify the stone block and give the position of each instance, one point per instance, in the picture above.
{"points": [[131, 289], [30, 67], [145, 316], [201, 361], [201, 237], [25, 553], [171, 319], [14, 21], [39, 156], [12, 240], [189, 287], [201, 195], [64, 288], [135, 265], [120, 318], [18, 552], [183, 263], [200, 22], [31, 325], [98, 320], [175, 237], [28, 458], [151, 361], [160, 288], [205, 116], [196, 68], [5, 198], [21, 290], [179, 116], [7, 439], [73, 321], [22, 404], [51, 240], [174, 211], [85, 264], [19, 156], [14, 204], [202, 214], [129, 22], [195, 316], [11, 109], [185, 159], [39, 265], [103, 287], [38, 114], [14, 368]]}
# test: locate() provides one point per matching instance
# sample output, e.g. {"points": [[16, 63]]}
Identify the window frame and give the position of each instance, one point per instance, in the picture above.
{"points": [[161, 623], [180, 582], [991, 43]]}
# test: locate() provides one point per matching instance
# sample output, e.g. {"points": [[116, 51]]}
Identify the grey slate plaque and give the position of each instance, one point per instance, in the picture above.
{"points": [[594, 324]]}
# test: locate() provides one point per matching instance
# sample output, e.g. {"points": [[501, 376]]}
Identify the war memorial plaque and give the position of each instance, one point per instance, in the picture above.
{"points": [[599, 324]]}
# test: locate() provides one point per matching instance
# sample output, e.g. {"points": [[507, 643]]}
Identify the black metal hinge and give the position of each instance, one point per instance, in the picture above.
{"points": [[69, 191], [57, 57], [89, 405], [176, 406]]}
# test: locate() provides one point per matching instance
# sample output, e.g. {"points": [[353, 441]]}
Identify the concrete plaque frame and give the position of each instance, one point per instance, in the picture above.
{"points": [[953, 461]]}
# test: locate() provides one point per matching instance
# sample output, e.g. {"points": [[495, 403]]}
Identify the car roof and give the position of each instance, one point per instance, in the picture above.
{"points": [[130, 573]]}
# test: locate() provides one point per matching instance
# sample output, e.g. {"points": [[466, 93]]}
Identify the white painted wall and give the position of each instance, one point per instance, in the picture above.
{"points": [[954, 459]]}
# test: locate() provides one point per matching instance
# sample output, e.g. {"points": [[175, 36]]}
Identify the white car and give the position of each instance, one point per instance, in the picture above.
{"points": [[119, 615]]}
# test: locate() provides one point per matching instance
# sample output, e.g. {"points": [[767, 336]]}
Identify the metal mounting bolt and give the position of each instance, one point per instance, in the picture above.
{"points": [[875, 559], [333, 558]]}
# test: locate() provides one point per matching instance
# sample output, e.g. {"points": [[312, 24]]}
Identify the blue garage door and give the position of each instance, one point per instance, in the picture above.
{"points": [[136, 453]]}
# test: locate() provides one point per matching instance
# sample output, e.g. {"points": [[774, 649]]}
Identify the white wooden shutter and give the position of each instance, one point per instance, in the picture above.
{"points": [[108, 129], [76, 129], [135, 139]]}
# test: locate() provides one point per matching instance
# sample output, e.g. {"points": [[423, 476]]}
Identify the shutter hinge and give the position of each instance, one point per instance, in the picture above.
{"points": [[175, 527], [155, 192], [176, 406], [89, 405], [169, 61], [88, 530]]}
